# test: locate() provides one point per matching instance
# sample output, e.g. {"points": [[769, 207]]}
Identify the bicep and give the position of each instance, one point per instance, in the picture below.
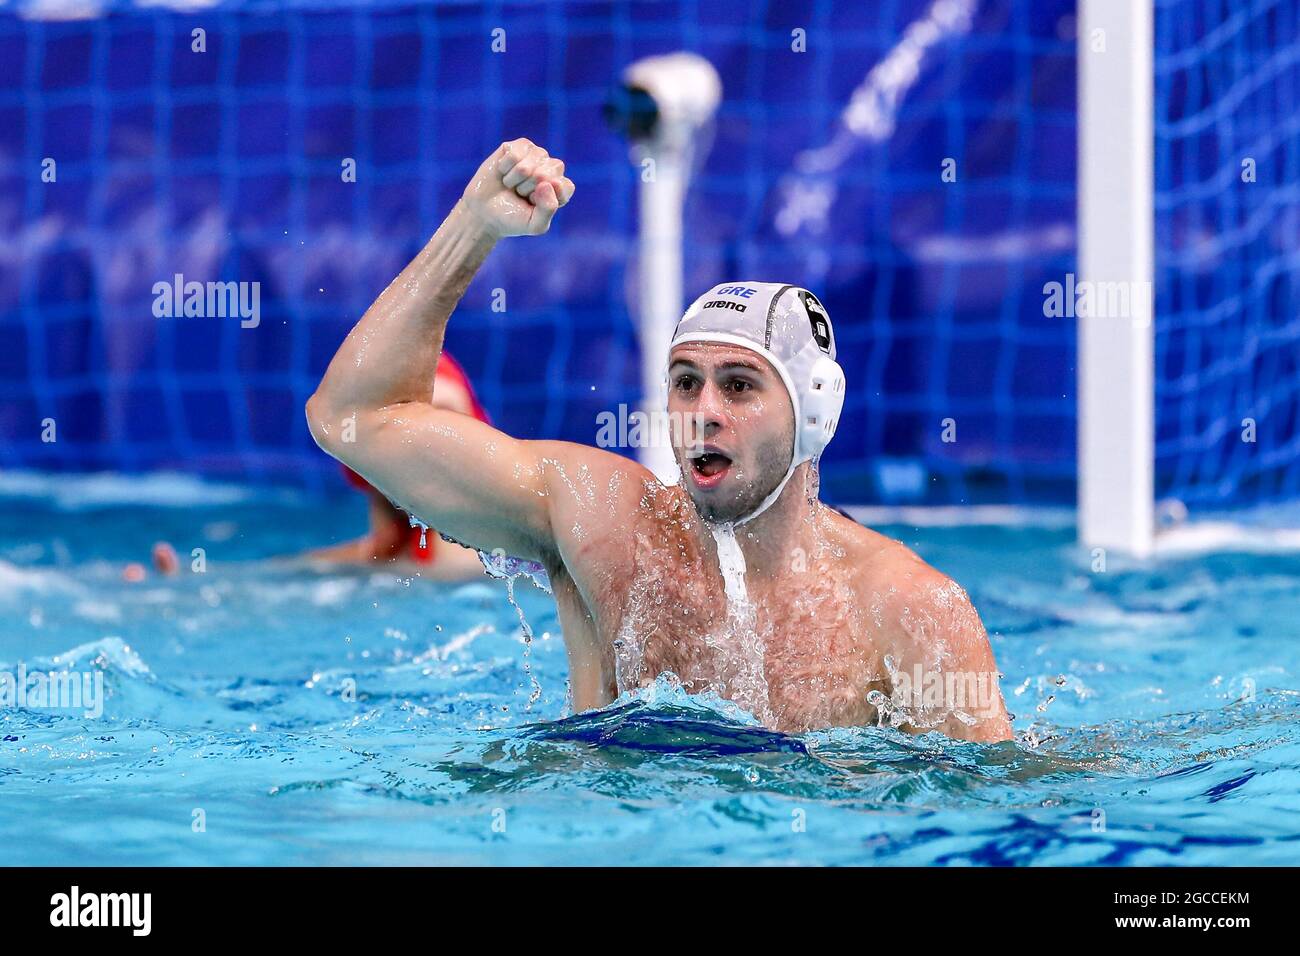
{"points": [[943, 643], [482, 487], [460, 476]]}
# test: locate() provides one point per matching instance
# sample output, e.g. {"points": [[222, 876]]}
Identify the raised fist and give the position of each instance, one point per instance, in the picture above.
{"points": [[518, 189]]}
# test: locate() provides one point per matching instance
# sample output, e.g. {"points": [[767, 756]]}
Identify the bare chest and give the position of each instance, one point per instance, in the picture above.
{"points": [[798, 654]]}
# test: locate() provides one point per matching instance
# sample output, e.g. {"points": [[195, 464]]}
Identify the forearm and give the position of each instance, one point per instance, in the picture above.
{"points": [[391, 356], [349, 552], [385, 540], [373, 409]]}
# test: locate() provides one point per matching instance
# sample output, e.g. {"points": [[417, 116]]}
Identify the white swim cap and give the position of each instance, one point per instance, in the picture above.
{"points": [[790, 328]]}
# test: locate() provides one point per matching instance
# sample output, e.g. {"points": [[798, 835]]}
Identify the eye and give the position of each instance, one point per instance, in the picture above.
{"points": [[740, 385], [684, 383]]}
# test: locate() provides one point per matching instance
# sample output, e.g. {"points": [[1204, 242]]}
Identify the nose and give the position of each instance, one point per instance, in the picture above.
{"points": [[711, 407]]}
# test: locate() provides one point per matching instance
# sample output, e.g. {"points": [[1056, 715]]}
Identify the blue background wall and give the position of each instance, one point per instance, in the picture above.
{"points": [[226, 165]]}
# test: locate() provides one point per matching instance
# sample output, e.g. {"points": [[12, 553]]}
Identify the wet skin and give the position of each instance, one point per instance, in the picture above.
{"points": [[836, 607], [832, 611]]}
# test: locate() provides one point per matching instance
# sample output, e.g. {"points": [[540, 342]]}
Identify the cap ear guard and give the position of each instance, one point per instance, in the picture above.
{"points": [[822, 404]]}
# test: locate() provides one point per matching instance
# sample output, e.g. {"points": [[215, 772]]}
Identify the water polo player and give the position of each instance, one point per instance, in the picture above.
{"points": [[736, 579]]}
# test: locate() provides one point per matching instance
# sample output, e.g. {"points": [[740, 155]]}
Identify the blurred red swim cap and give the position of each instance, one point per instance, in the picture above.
{"points": [[448, 370]]}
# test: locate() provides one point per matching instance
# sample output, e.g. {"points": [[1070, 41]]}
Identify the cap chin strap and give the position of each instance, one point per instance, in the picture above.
{"points": [[770, 499]]}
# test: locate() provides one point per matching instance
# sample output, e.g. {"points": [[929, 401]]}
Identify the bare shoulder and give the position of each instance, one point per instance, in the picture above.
{"points": [[881, 562], [915, 606], [930, 638], [586, 478], [597, 501]]}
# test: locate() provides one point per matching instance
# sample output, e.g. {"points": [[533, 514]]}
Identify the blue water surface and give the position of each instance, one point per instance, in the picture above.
{"points": [[262, 712]]}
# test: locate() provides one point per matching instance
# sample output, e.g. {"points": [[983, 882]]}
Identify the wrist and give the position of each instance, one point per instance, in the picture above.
{"points": [[454, 254], [474, 222]]}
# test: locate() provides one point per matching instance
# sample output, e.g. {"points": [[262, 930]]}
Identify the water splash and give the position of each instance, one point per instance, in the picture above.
{"points": [[424, 530], [731, 562], [508, 568], [1171, 765], [500, 565], [527, 629], [743, 646]]}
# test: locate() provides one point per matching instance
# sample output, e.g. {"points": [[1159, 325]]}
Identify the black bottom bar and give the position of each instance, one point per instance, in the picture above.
{"points": [[335, 906]]}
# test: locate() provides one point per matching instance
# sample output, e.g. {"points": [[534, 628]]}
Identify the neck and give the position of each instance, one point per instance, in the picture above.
{"points": [[773, 541]]}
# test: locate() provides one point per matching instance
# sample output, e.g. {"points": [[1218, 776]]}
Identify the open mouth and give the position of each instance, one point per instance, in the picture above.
{"points": [[709, 467]]}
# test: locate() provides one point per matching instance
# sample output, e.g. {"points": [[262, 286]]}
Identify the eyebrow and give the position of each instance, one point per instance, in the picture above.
{"points": [[734, 363]]}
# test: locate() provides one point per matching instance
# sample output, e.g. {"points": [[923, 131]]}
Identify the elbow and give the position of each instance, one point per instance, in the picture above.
{"points": [[323, 423]]}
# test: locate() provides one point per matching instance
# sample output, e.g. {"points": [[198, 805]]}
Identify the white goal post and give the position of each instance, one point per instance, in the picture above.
{"points": [[1116, 238]]}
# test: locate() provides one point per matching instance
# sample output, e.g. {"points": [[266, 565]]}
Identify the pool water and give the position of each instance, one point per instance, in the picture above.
{"points": [[261, 712]]}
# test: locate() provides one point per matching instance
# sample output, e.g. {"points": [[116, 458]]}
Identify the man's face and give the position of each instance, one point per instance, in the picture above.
{"points": [[739, 427]]}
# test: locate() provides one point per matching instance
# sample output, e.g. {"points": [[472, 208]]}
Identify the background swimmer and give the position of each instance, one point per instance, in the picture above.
{"points": [[390, 538]]}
